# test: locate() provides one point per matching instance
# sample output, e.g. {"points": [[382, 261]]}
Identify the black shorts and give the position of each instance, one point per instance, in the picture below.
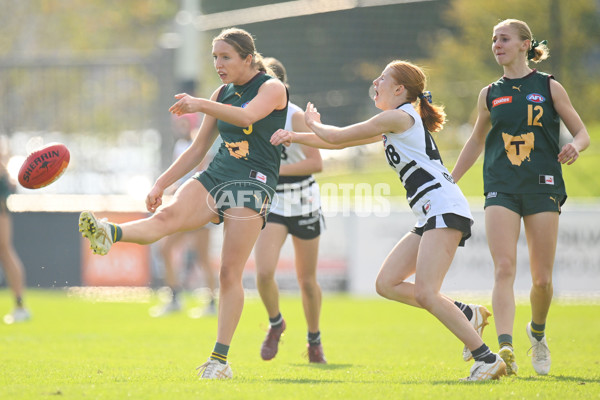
{"points": [[453, 221], [302, 227]]}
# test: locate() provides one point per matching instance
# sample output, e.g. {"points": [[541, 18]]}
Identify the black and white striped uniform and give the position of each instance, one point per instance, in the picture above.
{"points": [[296, 195], [430, 189]]}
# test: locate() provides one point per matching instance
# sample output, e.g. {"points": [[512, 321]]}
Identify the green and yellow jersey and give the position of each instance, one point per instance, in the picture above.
{"points": [[246, 152], [521, 148]]}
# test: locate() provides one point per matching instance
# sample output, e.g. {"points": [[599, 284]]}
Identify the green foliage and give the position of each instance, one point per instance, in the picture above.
{"points": [[377, 349], [462, 63]]}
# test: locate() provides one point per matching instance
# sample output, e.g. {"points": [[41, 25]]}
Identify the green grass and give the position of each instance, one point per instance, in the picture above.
{"points": [[80, 349]]}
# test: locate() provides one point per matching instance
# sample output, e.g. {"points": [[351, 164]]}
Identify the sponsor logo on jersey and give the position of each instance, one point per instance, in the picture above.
{"points": [[491, 195], [427, 207], [448, 177], [258, 176], [501, 100], [535, 98], [546, 180]]}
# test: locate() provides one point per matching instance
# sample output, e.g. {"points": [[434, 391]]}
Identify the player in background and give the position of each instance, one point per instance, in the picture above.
{"points": [[197, 242], [235, 189], [297, 213], [518, 125], [442, 212], [11, 263]]}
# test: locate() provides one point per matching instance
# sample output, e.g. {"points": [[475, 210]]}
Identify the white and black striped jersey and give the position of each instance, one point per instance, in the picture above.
{"points": [[296, 195], [430, 189]]}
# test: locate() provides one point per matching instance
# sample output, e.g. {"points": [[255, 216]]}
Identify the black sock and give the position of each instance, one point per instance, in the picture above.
{"points": [[314, 338], [465, 309], [484, 354], [220, 353], [276, 321], [19, 301]]}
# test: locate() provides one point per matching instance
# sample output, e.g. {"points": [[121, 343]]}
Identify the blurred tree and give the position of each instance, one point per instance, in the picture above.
{"points": [[67, 27], [462, 62]]}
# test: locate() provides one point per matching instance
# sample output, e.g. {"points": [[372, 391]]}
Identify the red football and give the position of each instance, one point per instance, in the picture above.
{"points": [[44, 166]]}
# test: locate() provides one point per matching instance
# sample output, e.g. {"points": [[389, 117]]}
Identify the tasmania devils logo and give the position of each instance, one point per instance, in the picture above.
{"points": [[501, 100], [535, 98]]}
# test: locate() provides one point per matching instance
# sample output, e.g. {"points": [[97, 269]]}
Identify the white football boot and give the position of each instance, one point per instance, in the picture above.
{"points": [[19, 314], [213, 369], [540, 353], [482, 371], [479, 321], [97, 232]]}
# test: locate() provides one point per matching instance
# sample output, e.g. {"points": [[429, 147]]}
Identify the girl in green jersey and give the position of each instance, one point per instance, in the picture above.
{"points": [[235, 188], [518, 125]]}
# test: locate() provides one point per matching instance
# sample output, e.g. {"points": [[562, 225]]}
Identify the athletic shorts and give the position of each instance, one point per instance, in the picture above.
{"points": [[526, 204], [239, 193], [453, 221], [302, 227]]}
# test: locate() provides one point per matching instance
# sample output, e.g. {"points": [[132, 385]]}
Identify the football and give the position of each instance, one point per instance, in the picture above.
{"points": [[44, 166]]}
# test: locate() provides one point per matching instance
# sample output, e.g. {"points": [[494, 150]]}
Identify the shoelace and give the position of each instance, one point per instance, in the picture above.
{"points": [[207, 368], [539, 355]]}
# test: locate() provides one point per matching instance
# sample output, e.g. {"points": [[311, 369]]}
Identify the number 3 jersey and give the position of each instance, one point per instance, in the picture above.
{"points": [[521, 148], [430, 189]]}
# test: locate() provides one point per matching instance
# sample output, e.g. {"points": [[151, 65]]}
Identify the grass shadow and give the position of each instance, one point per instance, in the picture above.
{"points": [[323, 366]]}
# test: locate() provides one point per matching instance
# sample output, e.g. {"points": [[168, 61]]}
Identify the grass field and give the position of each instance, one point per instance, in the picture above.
{"points": [[75, 348]]}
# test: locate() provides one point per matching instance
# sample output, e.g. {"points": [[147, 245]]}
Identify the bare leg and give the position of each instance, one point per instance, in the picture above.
{"points": [[266, 253], [542, 231], [202, 246], [307, 252], [192, 207], [239, 235], [502, 229], [13, 268], [436, 252]]}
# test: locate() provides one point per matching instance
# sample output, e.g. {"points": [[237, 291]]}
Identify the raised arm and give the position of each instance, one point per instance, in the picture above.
{"points": [[476, 142], [271, 96], [313, 162]]}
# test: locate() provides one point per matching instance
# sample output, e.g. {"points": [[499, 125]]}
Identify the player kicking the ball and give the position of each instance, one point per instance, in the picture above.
{"points": [[235, 189]]}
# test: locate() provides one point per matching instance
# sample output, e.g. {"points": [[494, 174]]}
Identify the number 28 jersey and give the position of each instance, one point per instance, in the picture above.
{"points": [[430, 189]]}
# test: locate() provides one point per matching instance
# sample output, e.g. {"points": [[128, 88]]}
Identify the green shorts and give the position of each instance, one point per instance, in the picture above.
{"points": [[526, 204], [247, 193]]}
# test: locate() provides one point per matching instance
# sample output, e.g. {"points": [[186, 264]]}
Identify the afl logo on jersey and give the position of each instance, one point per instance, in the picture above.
{"points": [[384, 137], [245, 104], [535, 98]]}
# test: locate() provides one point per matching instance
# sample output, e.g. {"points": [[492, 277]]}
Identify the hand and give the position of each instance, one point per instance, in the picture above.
{"points": [[154, 198], [311, 115], [186, 104], [569, 154], [281, 136]]}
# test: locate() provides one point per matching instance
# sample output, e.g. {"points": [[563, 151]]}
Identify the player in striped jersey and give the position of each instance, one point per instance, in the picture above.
{"points": [[297, 211], [442, 212]]}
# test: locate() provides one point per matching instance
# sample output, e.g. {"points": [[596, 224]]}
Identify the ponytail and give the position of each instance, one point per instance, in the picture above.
{"points": [[433, 116]]}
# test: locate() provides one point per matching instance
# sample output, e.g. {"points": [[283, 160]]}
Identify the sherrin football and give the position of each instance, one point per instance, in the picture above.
{"points": [[44, 166]]}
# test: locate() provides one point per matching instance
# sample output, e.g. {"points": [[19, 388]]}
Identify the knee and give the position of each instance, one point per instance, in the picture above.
{"points": [[382, 287], [542, 282], [264, 277], [424, 297], [308, 284], [505, 270], [228, 277]]}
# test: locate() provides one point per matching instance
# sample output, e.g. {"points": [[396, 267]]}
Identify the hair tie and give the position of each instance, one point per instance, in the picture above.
{"points": [[426, 95], [534, 44]]}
